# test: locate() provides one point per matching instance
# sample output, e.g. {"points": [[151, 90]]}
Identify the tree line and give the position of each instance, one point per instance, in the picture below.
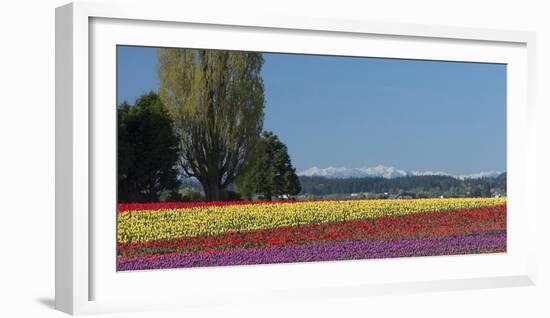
{"points": [[206, 123], [417, 186]]}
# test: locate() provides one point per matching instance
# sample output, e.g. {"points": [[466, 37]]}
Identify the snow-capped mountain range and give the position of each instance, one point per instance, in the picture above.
{"points": [[386, 172]]}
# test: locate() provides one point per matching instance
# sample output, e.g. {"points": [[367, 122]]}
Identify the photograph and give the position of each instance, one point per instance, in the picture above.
{"points": [[228, 158]]}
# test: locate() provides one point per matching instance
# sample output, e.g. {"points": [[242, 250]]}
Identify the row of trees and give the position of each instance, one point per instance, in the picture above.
{"points": [[205, 123], [419, 186]]}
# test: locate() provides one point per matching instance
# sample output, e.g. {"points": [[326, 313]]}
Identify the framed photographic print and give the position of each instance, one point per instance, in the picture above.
{"points": [[205, 176], [203, 158]]}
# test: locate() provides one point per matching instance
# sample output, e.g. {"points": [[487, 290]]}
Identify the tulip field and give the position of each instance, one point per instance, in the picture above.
{"points": [[191, 234]]}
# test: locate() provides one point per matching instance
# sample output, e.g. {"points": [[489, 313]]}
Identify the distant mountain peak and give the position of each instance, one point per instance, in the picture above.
{"points": [[481, 174], [386, 172]]}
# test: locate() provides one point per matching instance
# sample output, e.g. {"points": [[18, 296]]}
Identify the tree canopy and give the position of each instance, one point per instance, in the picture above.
{"points": [[147, 150], [270, 173], [216, 100]]}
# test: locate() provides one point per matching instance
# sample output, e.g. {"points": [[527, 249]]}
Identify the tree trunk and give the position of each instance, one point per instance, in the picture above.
{"points": [[216, 194], [212, 190]]}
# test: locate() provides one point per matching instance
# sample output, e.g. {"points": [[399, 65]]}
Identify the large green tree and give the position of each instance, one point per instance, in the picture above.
{"points": [[147, 151], [270, 171], [216, 99]]}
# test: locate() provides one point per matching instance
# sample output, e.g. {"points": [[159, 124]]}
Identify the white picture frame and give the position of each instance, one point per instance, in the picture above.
{"points": [[85, 280]]}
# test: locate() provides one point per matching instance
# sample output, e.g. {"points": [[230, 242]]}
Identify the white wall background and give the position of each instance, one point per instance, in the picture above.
{"points": [[27, 156]]}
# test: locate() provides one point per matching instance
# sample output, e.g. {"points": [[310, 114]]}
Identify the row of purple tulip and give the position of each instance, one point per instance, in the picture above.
{"points": [[493, 241]]}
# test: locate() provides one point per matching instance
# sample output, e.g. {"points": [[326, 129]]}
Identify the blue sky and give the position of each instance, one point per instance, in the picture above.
{"points": [[363, 112]]}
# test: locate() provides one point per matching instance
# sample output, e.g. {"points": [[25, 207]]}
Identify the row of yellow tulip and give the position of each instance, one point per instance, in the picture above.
{"points": [[140, 226]]}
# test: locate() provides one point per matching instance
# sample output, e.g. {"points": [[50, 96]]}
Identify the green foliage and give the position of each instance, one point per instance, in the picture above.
{"points": [[147, 150], [171, 196], [184, 194], [216, 99], [416, 186], [191, 194], [228, 195], [270, 172]]}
